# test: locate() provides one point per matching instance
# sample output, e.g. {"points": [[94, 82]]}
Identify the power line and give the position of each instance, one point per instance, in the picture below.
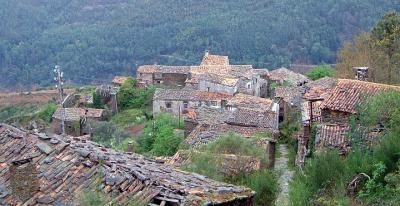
{"points": [[58, 78]]}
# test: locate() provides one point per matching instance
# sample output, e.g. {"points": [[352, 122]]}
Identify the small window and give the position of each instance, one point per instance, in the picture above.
{"points": [[208, 89], [158, 82], [168, 105], [185, 104], [214, 103], [248, 86]]}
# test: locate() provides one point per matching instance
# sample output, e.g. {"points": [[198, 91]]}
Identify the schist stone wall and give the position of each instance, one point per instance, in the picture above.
{"points": [[173, 79], [335, 117]]}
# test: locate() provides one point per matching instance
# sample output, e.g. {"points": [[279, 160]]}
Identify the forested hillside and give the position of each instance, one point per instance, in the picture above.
{"points": [[95, 39]]}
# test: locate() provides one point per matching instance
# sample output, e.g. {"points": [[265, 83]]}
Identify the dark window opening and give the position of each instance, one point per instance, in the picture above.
{"points": [[168, 105]]}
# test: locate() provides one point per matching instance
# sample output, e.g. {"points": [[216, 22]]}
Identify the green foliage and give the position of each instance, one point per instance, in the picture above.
{"points": [[207, 163], [129, 117], [47, 111], [108, 134], [131, 97], [97, 101], [159, 136], [17, 112], [92, 41], [321, 71]]}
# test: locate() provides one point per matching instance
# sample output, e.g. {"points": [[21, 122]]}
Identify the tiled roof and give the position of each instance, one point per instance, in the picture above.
{"points": [[209, 59], [291, 95], [232, 71], [60, 168], [119, 80], [163, 69], [74, 114], [218, 79], [348, 94], [71, 114], [253, 118], [262, 72], [320, 89], [249, 101], [188, 95], [332, 136], [283, 74]]}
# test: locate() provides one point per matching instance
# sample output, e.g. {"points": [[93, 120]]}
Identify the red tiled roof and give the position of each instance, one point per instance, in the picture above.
{"points": [[63, 167], [189, 95], [163, 69], [119, 80], [333, 136], [209, 59], [348, 94], [74, 114]]}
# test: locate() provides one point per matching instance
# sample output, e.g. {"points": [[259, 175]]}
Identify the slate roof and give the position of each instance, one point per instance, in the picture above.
{"points": [[348, 94], [63, 167], [332, 136], [250, 101], [291, 95], [163, 69], [320, 89], [210, 59], [74, 114], [119, 80], [188, 95], [253, 118], [286, 75]]}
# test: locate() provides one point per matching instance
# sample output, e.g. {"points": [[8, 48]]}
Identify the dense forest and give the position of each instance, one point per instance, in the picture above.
{"points": [[94, 40]]}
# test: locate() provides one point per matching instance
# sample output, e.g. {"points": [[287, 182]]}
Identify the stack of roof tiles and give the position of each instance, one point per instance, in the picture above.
{"points": [[65, 166]]}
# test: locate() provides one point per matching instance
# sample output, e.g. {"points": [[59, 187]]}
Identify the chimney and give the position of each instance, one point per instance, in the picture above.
{"points": [[130, 147], [206, 53], [361, 73]]}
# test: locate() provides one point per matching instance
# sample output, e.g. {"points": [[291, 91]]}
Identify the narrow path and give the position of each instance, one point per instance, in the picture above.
{"points": [[281, 165]]}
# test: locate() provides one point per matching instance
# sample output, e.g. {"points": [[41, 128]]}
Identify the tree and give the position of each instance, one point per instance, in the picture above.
{"points": [[379, 50], [130, 97], [97, 101], [321, 71]]}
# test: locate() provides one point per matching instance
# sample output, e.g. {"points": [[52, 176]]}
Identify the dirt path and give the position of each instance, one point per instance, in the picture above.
{"points": [[281, 165]]}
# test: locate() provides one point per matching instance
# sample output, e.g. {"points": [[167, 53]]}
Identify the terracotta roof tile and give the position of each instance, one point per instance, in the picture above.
{"points": [[74, 114], [333, 136], [209, 59], [60, 168], [163, 69], [348, 94], [286, 75], [119, 80]]}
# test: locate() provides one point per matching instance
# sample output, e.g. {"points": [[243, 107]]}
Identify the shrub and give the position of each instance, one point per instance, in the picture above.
{"points": [[159, 135], [321, 71], [108, 134], [128, 117], [207, 163], [46, 113], [131, 97]]}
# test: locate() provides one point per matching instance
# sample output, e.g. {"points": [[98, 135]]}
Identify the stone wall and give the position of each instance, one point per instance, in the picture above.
{"points": [[173, 79], [71, 128], [213, 87], [189, 127], [335, 117]]}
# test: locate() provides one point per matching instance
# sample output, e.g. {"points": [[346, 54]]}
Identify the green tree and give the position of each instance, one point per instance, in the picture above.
{"points": [[97, 101], [321, 71], [129, 96], [46, 113]]}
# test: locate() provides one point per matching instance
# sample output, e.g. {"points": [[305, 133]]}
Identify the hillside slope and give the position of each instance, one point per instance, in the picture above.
{"points": [[94, 39]]}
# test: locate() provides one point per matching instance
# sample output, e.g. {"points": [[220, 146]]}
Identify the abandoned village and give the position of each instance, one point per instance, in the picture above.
{"points": [[212, 98]]}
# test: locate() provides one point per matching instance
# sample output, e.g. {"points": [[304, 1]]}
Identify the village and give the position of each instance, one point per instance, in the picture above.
{"points": [[50, 166]]}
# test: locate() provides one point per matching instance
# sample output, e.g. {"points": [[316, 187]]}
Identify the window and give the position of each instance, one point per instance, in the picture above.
{"points": [[185, 104], [168, 105], [214, 103], [158, 82], [208, 89]]}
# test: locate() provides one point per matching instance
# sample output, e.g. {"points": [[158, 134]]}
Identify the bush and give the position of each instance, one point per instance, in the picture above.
{"points": [[159, 136], [130, 97], [108, 134], [47, 111], [263, 182], [129, 117], [321, 71]]}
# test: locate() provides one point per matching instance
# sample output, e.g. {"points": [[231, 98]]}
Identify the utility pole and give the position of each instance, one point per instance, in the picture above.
{"points": [[58, 78]]}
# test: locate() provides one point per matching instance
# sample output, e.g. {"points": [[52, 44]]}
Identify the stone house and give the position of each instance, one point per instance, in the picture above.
{"points": [[178, 101], [56, 170], [77, 120], [162, 75]]}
